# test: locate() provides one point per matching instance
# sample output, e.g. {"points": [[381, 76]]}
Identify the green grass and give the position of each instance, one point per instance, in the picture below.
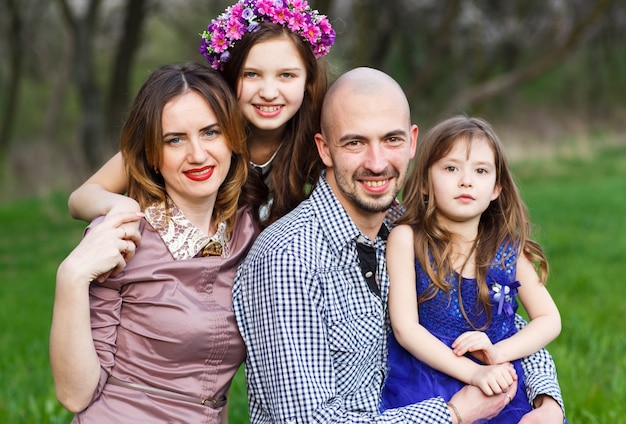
{"points": [[579, 208], [577, 205]]}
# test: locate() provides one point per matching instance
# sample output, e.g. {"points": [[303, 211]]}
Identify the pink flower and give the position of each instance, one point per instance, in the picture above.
{"points": [[265, 7], [324, 25], [219, 43], [236, 10], [296, 23], [311, 33], [236, 29]]}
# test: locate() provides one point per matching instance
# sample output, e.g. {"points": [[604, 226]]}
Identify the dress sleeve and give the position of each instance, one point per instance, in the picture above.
{"points": [[540, 373], [105, 305], [290, 372]]}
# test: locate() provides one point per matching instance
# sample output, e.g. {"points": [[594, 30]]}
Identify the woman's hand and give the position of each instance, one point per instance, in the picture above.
{"points": [[104, 250]]}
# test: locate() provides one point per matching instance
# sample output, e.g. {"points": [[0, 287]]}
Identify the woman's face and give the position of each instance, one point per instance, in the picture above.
{"points": [[271, 88], [196, 156]]}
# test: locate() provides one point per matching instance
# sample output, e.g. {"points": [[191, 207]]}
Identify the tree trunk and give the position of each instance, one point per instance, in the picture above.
{"points": [[89, 95], [119, 87], [15, 73], [442, 42]]}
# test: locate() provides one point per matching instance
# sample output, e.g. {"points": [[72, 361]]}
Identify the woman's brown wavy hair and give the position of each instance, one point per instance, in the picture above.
{"points": [[141, 140], [505, 220], [297, 166]]}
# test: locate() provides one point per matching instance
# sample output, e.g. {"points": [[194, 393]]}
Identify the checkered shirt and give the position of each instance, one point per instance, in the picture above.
{"points": [[315, 330]]}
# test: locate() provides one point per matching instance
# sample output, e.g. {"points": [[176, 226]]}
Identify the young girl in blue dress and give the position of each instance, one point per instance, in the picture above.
{"points": [[458, 260]]}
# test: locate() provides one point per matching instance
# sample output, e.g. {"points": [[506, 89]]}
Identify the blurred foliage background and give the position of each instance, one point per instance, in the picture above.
{"points": [[549, 74]]}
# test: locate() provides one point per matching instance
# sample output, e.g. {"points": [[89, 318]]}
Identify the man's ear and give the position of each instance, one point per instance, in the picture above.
{"points": [[322, 149], [413, 140]]}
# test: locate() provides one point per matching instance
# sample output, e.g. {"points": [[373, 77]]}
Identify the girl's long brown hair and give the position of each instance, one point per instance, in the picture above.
{"points": [[505, 220], [297, 166], [141, 140]]}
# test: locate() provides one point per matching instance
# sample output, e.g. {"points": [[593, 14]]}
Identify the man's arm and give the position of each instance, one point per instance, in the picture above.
{"points": [[542, 386]]}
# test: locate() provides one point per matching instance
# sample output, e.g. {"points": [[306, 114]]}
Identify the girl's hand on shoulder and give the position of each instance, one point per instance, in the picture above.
{"points": [[125, 205], [477, 344], [494, 379], [130, 226]]}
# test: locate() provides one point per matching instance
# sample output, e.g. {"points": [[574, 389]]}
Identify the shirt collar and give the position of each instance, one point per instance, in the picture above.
{"points": [[182, 238]]}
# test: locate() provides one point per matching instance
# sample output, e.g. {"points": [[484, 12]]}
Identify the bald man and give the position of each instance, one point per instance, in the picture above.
{"points": [[311, 297]]}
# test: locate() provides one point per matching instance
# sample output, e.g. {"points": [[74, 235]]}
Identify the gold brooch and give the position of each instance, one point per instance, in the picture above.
{"points": [[213, 248]]}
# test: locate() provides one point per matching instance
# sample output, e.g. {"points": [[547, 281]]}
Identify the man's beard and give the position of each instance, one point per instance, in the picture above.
{"points": [[370, 205]]}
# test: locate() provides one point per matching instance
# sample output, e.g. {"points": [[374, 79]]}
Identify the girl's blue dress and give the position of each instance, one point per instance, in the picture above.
{"points": [[410, 380]]}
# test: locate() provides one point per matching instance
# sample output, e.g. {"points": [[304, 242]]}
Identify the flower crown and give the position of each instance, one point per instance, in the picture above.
{"points": [[246, 16]]}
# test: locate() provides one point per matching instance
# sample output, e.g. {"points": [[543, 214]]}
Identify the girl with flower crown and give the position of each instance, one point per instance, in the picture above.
{"points": [[271, 53], [457, 260]]}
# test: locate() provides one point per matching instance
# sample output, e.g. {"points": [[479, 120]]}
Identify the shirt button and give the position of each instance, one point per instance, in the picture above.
{"points": [[360, 239], [368, 274]]}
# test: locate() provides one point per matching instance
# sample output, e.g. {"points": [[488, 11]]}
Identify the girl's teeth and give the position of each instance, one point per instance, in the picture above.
{"points": [[269, 108]]}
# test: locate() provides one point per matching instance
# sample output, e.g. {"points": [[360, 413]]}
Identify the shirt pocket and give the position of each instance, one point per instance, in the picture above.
{"points": [[356, 340]]}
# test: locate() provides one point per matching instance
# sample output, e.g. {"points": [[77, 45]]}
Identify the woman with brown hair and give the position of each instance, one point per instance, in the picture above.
{"points": [[159, 341]]}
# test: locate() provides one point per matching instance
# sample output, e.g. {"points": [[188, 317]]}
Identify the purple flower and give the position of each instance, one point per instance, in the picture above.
{"points": [[248, 14], [502, 290]]}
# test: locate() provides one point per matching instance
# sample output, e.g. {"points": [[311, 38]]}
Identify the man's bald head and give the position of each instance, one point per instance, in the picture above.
{"points": [[358, 83], [366, 144]]}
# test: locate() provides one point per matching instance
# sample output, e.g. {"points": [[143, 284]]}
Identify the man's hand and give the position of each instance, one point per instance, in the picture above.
{"points": [[473, 405], [547, 411]]}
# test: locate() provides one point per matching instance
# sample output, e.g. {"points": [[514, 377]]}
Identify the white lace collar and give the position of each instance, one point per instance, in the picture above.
{"points": [[182, 238]]}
